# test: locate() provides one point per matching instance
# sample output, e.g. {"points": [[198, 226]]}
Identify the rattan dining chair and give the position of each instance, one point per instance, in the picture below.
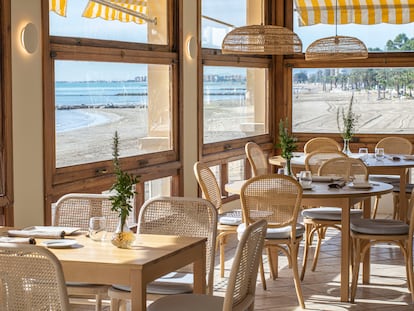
{"points": [[31, 278], [392, 145], [314, 160], [241, 288], [227, 220], [277, 199], [75, 210], [366, 232], [257, 159], [319, 219], [179, 216], [321, 144]]}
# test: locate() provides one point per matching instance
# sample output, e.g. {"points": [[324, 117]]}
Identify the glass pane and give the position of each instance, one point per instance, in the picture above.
{"points": [[75, 25], [383, 99], [158, 187], [220, 17], [390, 39], [95, 99], [236, 170], [235, 102]]}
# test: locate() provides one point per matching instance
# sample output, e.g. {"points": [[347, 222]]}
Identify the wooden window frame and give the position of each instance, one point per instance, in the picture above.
{"points": [[6, 154], [98, 176]]}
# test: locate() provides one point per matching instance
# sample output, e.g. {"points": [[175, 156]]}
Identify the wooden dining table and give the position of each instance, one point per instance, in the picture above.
{"points": [[346, 197], [391, 164], [150, 257]]}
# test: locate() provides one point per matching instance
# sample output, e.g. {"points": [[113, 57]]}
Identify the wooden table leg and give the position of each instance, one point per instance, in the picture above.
{"points": [[138, 291], [403, 202], [199, 268], [366, 270], [345, 247]]}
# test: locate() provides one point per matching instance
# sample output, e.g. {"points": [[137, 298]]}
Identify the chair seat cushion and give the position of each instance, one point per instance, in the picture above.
{"points": [[379, 226], [276, 233], [170, 284], [187, 302], [389, 179], [329, 213], [408, 188], [232, 218]]}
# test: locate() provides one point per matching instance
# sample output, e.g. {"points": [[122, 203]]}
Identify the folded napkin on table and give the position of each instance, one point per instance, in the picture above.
{"points": [[34, 232], [6, 239]]}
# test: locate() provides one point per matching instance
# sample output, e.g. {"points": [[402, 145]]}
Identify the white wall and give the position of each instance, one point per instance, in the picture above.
{"points": [[27, 118]]}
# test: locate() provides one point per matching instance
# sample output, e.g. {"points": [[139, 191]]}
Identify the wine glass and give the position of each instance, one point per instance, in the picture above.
{"points": [[97, 228], [363, 153], [305, 179], [379, 154]]}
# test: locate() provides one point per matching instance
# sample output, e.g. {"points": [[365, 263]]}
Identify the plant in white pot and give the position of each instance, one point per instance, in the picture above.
{"points": [[123, 191]]}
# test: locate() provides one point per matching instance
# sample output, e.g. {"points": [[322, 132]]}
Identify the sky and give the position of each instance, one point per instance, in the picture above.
{"points": [[229, 11]]}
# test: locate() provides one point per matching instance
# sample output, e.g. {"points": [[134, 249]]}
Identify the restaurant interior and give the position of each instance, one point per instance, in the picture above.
{"points": [[230, 91]]}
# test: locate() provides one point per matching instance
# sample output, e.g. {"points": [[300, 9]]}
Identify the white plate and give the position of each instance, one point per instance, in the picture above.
{"points": [[361, 186], [408, 157], [62, 243], [52, 229]]}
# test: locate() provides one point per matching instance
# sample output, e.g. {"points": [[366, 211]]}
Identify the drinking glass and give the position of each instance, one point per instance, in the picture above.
{"points": [[363, 153], [379, 153], [97, 228], [305, 179]]}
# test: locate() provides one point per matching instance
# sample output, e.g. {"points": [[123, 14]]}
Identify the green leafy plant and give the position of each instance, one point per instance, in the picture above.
{"points": [[287, 142], [124, 186], [347, 120]]}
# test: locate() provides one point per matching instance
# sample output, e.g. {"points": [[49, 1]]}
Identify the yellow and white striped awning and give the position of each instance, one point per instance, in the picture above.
{"points": [[94, 10], [366, 12], [58, 6], [120, 10]]}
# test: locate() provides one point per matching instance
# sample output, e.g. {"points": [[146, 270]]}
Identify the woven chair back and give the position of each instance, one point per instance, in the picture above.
{"points": [[314, 160], [321, 144], [31, 279], [182, 216], [241, 286], [344, 167], [257, 159], [395, 145], [208, 184]]}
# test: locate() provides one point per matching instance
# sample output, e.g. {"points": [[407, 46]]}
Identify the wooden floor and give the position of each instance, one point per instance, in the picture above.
{"points": [[387, 291]]}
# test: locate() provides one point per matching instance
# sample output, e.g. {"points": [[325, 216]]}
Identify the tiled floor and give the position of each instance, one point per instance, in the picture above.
{"points": [[387, 291]]}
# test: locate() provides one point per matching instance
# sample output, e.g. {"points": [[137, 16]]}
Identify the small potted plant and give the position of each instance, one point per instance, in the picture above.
{"points": [[287, 144], [123, 191], [347, 122]]}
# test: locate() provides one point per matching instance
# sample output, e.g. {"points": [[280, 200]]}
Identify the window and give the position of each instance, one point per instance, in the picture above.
{"points": [[235, 103], [383, 99], [110, 71], [95, 99]]}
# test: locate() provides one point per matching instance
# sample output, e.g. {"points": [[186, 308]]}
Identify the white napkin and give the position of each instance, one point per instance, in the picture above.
{"points": [[44, 234], [6, 239]]}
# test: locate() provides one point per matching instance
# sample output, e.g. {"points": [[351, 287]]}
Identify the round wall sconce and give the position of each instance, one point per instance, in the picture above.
{"points": [[191, 47], [29, 38]]}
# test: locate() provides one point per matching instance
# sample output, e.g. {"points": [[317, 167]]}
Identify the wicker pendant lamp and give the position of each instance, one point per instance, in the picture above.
{"points": [[261, 39], [337, 47]]}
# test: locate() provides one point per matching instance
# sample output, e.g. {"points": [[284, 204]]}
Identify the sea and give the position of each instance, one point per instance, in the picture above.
{"points": [[71, 99]]}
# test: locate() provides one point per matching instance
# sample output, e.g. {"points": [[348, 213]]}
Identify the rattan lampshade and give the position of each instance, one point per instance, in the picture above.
{"points": [[261, 39], [336, 48]]}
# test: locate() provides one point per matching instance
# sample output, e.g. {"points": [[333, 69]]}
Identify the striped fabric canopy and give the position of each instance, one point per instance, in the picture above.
{"points": [[94, 10], [367, 12]]}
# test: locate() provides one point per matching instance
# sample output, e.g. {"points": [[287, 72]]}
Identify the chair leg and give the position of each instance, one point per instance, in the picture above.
{"points": [[273, 258], [321, 233], [222, 255], [355, 272], [308, 241], [98, 302], [376, 203], [396, 201], [294, 257], [262, 274]]}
